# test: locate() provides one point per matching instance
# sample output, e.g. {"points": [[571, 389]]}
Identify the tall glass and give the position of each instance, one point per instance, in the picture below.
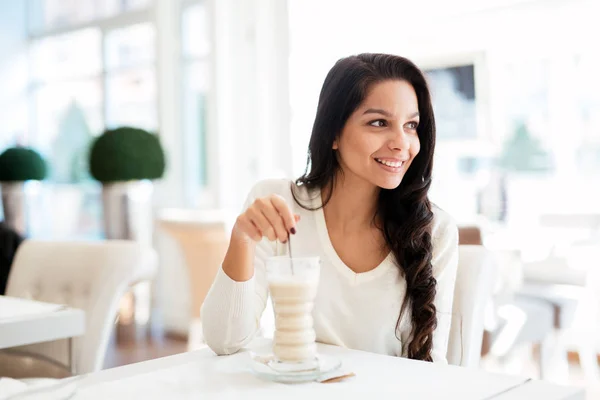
{"points": [[293, 284]]}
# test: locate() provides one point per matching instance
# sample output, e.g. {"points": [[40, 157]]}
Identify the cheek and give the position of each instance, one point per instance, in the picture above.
{"points": [[415, 147], [355, 143]]}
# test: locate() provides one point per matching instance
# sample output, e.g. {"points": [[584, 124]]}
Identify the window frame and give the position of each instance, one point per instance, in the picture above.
{"points": [[197, 195]]}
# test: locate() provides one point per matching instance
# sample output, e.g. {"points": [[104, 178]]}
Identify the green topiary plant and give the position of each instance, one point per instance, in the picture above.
{"points": [[22, 164], [126, 154]]}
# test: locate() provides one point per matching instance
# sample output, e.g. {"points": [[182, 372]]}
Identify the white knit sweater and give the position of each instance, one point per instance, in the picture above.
{"points": [[354, 310]]}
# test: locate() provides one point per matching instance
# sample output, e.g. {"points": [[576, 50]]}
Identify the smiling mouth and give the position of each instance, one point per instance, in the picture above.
{"points": [[391, 164]]}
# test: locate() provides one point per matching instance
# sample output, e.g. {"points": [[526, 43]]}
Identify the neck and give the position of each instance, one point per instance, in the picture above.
{"points": [[353, 203]]}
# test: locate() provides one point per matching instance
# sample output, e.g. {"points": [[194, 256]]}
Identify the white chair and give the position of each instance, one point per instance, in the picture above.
{"points": [[472, 295], [571, 294], [89, 275]]}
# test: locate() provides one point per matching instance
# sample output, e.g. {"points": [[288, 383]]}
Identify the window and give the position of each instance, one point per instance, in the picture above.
{"points": [[130, 77], [130, 47], [196, 50], [551, 135], [67, 112], [46, 15], [67, 56], [98, 72]]}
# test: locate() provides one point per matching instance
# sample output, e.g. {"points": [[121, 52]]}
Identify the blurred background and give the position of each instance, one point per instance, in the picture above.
{"points": [[230, 88]]}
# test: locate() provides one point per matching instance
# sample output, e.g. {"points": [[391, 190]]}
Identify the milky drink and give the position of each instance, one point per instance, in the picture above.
{"points": [[293, 300]]}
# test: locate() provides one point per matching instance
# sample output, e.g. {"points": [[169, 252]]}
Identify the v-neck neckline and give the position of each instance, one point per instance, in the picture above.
{"points": [[354, 278]]}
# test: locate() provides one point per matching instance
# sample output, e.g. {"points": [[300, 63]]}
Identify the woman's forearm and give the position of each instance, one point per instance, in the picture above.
{"points": [[239, 259]]}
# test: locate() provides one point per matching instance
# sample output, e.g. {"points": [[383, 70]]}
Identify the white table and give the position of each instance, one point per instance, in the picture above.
{"points": [[201, 374], [540, 390], [24, 321]]}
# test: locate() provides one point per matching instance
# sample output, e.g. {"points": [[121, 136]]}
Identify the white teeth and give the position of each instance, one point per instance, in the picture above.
{"points": [[392, 164]]}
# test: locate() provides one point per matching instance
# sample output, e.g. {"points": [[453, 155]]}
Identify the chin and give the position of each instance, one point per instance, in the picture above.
{"points": [[389, 184]]}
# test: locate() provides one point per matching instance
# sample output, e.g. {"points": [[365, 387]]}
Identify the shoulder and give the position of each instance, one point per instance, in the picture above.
{"points": [[279, 187], [444, 227], [444, 237], [268, 187], [283, 188]]}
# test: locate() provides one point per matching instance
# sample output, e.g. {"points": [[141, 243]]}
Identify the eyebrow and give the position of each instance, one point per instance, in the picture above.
{"points": [[386, 113]]}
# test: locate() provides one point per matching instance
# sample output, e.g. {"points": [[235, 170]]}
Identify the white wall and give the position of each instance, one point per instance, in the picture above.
{"points": [[251, 89]]}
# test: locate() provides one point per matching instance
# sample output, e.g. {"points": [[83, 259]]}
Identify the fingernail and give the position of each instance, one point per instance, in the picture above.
{"points": [[293, 230], [284, 242]]}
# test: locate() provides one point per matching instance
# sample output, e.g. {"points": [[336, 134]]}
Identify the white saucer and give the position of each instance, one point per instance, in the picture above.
{"points": [[265, 366]]}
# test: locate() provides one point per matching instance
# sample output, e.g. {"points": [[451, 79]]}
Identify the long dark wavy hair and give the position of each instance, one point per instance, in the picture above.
{"points": [[404, 212]]}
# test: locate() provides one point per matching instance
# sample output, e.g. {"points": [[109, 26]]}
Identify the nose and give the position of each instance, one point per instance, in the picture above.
{"points": [[399, 140]]}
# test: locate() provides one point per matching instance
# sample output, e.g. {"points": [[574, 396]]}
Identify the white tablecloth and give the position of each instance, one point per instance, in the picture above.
{"points": [[24, 321], [14, 307], [201, 374], [535, 389]]}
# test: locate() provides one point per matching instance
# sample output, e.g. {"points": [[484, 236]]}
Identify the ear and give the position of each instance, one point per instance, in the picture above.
{"points": [[335, 145]]}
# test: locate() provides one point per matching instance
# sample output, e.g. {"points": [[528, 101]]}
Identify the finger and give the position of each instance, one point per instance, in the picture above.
{"points": [[296, 217], [249, 229], [257, 230], [275, 220], [262, 223], [286, 213]]}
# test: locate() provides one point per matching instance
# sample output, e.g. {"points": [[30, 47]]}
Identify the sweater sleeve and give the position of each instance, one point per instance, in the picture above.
{"points": [[232, 310], [445, 263]]}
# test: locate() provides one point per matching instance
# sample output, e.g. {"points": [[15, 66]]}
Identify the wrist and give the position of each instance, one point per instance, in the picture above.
{"points": [[239, 259], [240, 240]]}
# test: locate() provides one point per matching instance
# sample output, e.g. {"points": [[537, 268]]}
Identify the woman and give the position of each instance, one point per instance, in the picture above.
{"points": [[388, 255]]}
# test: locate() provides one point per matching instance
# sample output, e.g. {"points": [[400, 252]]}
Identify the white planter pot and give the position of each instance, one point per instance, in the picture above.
{"points": [[127, 209], [16, 203]]}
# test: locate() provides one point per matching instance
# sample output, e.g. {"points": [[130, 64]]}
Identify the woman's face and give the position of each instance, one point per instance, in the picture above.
{"points": [[380, 141]]}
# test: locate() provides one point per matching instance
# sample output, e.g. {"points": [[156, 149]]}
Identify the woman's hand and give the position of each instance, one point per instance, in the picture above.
{"points": [[269, 217]]}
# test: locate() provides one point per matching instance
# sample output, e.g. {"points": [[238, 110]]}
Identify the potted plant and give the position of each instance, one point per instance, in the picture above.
{"points": [[125, 161], [19, 165]]}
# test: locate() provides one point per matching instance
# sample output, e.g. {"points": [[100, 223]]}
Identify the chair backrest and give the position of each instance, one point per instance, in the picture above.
{"points": [[89, 275], [472, 295], [470, 234]]}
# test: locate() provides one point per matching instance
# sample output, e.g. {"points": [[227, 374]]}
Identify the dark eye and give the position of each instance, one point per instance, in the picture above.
{"points": [[378, 123], [413, 125]]}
